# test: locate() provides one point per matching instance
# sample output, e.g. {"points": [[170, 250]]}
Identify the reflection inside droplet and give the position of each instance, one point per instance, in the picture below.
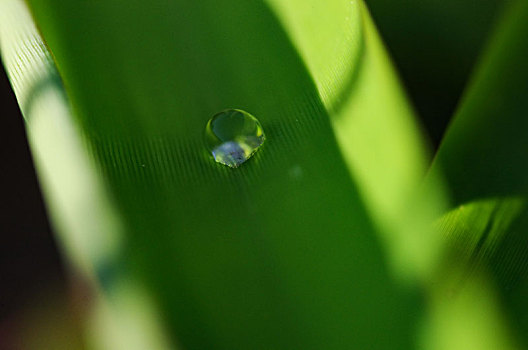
{"points": [[233, 136]]}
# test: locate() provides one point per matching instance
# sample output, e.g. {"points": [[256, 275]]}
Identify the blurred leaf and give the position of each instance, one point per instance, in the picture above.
{"points": [[435, 45], [375, 127], [384, 149], [277, 254], [485, 156], [485, 151]]}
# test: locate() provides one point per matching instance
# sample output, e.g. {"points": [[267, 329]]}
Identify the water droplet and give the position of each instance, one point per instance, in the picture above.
{"points": [[233, 136]]}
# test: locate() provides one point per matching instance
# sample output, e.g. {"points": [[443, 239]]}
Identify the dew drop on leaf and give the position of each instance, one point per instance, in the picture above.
{"points": [[233, 136]]}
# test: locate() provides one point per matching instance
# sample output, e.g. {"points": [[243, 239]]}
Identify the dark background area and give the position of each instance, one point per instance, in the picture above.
{"points": [[29, 260], [434, 44]]}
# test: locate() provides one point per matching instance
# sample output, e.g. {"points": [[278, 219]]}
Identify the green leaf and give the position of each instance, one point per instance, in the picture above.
{"points": [[435, 45], [484, 157], [277, 254], [485, 150], [375, 127]]}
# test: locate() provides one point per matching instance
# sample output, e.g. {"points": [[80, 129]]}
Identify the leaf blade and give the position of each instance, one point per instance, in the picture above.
{"points": [[234, 280]]}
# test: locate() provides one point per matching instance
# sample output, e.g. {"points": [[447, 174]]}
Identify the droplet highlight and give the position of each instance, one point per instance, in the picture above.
{"points": [[233, 136]]}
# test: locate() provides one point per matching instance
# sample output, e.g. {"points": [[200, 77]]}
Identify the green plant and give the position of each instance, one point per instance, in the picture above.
{"points": [[329, 237]]}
